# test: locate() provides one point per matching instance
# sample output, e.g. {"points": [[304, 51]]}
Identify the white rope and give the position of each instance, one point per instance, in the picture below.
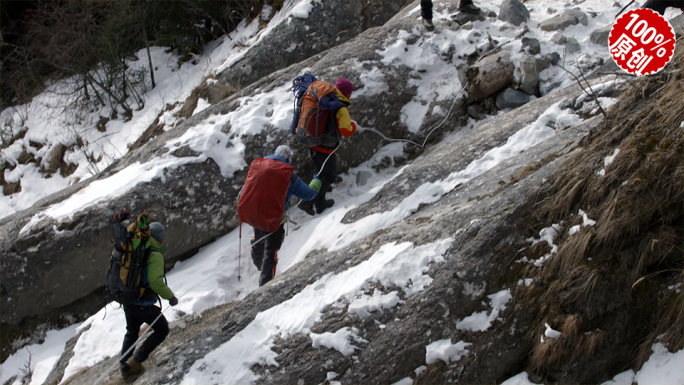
{"points": [[431, 131]]}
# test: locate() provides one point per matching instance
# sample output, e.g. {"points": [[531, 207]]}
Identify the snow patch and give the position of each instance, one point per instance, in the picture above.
{"points": [[480, 321], [446, 351]]}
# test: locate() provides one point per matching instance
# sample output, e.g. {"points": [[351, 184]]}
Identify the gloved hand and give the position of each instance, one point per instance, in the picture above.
{"points": [[316, 177], [316, 183], [173, 301]]}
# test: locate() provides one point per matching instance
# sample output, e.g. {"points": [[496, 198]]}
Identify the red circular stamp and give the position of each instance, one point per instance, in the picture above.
{"points": [[641, 42]]}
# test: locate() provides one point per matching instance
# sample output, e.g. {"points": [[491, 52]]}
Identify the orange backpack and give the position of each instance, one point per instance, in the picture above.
{"points": [[318, 101]]}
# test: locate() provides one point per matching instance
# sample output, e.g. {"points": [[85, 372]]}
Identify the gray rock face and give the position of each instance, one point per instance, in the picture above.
{"points": [[489, 75], [481, 251], [511, 98], [436, 163], [565, 19], [514, 12], [329, 24], [194, 201], [600, 36]]}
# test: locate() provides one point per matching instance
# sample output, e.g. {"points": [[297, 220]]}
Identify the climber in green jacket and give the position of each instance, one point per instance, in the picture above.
{"points": [[144, 310]]}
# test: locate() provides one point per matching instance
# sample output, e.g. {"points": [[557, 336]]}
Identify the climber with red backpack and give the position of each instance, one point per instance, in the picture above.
{"points": [[264, 201], [321, 118]]}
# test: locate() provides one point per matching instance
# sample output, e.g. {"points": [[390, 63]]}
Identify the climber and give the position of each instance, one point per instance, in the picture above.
{"points": [[466, 6], [264, 201], [145, 311], [661, 5], [338, 123]]}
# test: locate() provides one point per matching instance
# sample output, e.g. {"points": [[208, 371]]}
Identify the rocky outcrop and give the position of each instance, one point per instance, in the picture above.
{"points": [[565, 19], [514, 12], [329, 24], [194, 200], [441, 161], [489, 75], [483, 217]]}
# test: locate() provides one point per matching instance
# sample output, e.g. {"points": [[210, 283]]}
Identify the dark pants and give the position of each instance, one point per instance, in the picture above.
{"points": [[661, 6], [426, 9], [135, 317], [466, 2], [327, 176], [265, 252]]}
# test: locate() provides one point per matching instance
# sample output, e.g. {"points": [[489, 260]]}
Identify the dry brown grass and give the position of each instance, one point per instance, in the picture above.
{"points": [[201, 91], [588, 343], [547, 354], [572, 326], [638, 207]]}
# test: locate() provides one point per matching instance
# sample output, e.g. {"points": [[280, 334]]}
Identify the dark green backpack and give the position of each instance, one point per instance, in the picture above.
{"points": [[131, 241]]}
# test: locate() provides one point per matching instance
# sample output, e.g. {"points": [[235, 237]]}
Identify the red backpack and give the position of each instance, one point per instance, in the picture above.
{"points": [[263, 198]]}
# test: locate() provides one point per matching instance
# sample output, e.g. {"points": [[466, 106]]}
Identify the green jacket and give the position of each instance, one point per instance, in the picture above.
{"points": [[155, 271]]}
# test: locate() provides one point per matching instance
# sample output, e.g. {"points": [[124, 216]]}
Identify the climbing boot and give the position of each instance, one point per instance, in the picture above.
{"points": [[136, 368], [307, 207], [469, 8], [327, 203], [428, 25]]}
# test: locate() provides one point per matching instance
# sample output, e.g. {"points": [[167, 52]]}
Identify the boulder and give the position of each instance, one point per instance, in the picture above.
{"points": [[489, 75], [462, 18], [600, 36], [565, 19], [476, 112], [543, 62], [528, 75], [559, 38], [514, 12], [511, 98], [589, 61], [554, 57], [530, 45], [305, 38], [572, 45]]}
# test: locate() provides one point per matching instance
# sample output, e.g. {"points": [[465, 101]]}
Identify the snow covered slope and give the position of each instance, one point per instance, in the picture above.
{"points": [[406, 262]]}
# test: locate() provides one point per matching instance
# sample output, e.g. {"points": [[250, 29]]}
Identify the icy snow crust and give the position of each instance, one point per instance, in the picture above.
{"points": [[210, 278]]}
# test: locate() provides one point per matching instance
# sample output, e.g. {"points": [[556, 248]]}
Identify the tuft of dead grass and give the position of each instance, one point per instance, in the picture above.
{"points": [[638, 206], [547, 355], [588, 343], [572, 326]]}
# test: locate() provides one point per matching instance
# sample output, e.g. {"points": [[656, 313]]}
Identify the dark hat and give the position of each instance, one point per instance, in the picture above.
{"points": [[344, 86]]}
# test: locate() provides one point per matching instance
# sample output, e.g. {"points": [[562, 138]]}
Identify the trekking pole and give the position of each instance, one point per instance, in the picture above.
{"points": [[109, 370], [239, 250], [626, 6]]}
